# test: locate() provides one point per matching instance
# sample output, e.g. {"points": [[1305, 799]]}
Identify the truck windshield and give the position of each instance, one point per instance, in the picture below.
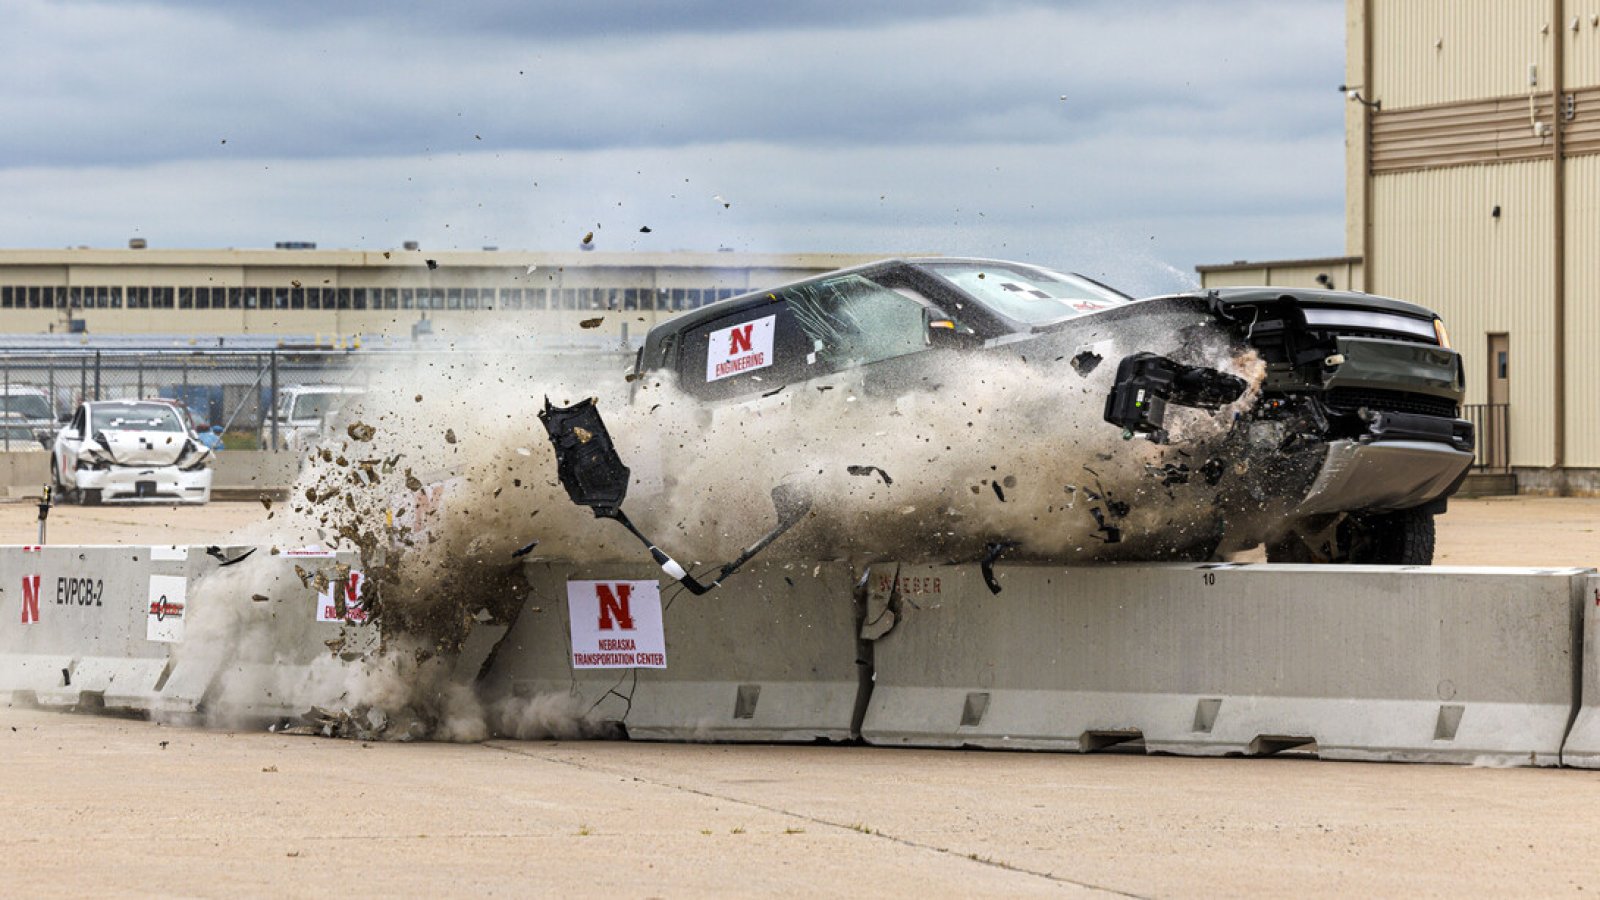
{"points": [[1027, 294]]}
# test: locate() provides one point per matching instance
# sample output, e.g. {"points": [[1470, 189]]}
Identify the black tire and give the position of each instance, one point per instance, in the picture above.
{"points": [[1402, 538], [1291, 549], [89, 498], [63, 493]]}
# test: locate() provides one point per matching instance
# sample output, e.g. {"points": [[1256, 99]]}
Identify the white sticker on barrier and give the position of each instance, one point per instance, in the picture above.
{"points": [[355, 612], [740, 348], [616, 625], [30, 599], [168, 553], [310, 553], [166, 612]]}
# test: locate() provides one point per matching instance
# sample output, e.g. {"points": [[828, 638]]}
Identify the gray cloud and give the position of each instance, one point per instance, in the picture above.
{"points": [[1213, 127]]}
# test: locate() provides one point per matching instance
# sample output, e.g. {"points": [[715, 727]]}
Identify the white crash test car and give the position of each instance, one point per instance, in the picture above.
{"points": [[139, 450]]}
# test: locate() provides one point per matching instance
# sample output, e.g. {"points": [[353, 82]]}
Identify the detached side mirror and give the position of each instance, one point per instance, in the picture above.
{"points": [[45, 439], [943, 331]]}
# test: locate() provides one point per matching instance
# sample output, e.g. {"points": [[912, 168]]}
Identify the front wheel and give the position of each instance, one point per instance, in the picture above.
{"points": [[63, 491], [1401, 538]]}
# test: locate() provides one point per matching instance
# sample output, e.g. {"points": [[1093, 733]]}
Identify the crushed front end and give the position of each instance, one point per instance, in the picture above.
{"points": [[1369, 389]]}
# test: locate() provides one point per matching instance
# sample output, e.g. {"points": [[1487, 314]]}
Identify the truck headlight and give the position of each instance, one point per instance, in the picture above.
{"points": [[1441, 334]]}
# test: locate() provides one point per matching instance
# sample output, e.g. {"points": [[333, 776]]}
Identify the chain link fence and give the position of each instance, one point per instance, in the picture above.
{"points": [[236, 391]]}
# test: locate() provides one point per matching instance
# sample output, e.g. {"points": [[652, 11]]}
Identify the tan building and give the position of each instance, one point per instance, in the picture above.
{"points": [[1473, 187], [339, 294]]}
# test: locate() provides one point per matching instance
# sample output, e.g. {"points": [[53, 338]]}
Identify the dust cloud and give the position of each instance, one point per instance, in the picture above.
{"points": [[442, 472]]}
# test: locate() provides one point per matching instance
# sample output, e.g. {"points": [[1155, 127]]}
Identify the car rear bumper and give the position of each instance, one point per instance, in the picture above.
{"points": [[151, 484], [1383, 475]]}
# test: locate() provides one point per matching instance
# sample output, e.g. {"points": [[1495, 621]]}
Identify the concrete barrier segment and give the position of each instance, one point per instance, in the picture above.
{"points": [[75, 630], [1377, 663], [1582, 748], [769, 656], [271, 636]]}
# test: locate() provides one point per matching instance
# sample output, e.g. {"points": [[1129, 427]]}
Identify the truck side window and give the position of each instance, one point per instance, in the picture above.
{"points": [[755, 350], [851, 321]]}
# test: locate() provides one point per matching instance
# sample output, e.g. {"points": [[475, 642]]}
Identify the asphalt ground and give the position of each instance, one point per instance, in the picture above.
{"points": [[109, 806]]}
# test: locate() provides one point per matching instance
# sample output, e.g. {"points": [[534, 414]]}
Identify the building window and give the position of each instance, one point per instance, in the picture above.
{"points": [[391, 298], [161, 297], [469, 298], [137, 297], [453, 298]]}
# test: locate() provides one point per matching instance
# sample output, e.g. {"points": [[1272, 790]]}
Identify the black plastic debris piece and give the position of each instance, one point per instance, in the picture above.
{"points": [[1170, 474], [870, 470], [433, 263], [991, 554], [524, 551], [998, 492], [1113, 534], [1086, 362], [774, 391], [1212, 471], [1146, 383], [222, 559], [1117, 508], [586, 461], [592, 323], [644, 229]]}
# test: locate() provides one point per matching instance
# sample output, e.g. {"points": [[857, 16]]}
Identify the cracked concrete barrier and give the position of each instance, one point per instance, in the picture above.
{"points": [[89, 625], [271, 635], [1359, 662], [768, 656], [1582, 748]]}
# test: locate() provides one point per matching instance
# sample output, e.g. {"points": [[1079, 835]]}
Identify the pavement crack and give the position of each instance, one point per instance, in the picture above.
{"points": [[818, 820]]}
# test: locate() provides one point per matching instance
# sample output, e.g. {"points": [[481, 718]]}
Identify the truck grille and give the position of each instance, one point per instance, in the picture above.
{"points": [[1350, 400]]}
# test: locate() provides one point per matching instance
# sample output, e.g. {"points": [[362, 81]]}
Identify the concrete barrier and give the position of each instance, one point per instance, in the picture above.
{"points": [[273, 636], [1375, 663], [89, 625], [769, 656], [165, 629], [1582, 748]]}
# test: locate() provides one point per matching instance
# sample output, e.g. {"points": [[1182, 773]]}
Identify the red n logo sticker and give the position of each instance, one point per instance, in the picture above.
{"points": [[739, 339], [611, 605], [30, 599]]}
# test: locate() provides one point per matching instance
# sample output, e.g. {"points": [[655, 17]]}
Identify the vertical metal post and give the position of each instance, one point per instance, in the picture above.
{"points": [[50, 370], [97, 374], [6, 438], [272, 402], [140, 366], [1558, 323]]}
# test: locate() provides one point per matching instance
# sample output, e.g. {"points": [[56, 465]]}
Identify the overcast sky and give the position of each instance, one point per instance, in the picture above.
{"points": [[1130, 141]]}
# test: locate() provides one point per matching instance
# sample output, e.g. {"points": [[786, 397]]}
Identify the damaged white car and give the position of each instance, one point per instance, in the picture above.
{"points": [[131, 450]]}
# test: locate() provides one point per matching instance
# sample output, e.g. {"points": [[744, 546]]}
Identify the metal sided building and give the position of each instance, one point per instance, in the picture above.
{"points": [[1473, 187], [339, 294]]}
